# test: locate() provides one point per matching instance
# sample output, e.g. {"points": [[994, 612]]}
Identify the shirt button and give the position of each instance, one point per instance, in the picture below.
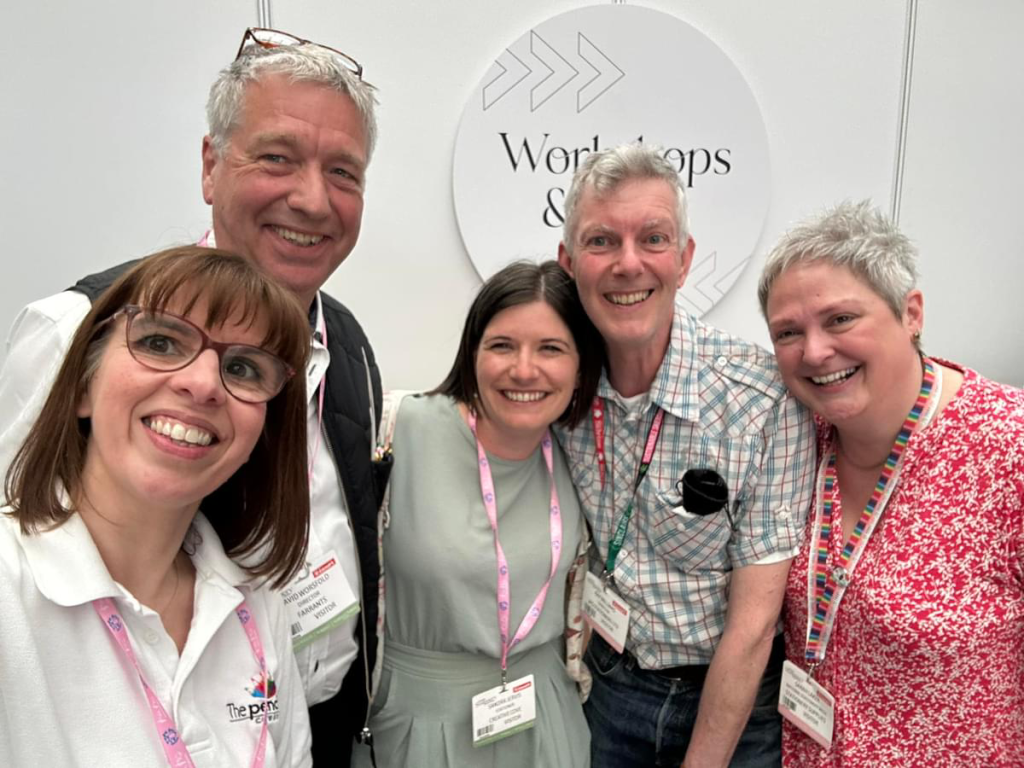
{"points": [[721, 362], [783, 512], [151, 637]]}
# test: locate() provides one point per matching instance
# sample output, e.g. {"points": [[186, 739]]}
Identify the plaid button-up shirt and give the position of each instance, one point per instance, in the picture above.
{"points": [[726, 409]]}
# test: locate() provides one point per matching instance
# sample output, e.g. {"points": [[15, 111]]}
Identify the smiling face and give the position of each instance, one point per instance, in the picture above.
{"points": [[526, 371], [165, 439], [841, 349], [628, 262], [288, 190]]}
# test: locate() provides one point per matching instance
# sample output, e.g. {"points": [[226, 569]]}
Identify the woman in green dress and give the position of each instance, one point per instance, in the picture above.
{"points": [[484, 526]]}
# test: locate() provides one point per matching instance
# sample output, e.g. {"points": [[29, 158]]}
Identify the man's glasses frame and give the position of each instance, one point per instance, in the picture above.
{"points": [[264, 37], [133, 311]]}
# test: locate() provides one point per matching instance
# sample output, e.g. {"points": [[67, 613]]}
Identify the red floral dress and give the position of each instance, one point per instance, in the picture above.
{"points": [[926, 661]]}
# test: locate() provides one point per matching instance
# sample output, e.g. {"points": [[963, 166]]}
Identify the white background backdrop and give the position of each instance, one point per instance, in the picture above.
{"points": [[103, 114]]}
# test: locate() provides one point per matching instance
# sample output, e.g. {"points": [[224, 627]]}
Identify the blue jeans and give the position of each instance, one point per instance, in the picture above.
{"points": [[640, 719]]}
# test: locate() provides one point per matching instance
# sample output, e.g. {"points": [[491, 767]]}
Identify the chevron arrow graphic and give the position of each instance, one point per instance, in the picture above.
{"points": [[729, 278], [606, 73], [695, 296], [560, 71], [513, 72], [557, 73]]}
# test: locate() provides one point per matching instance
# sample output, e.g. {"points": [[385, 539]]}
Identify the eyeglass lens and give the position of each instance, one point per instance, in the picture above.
{"points": [[272, 38], [166, 343]]}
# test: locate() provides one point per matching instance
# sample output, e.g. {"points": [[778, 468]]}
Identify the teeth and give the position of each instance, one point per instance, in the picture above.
{"points": [[833, 377], [626, 299], [524, 397], [298, 238], [178, 431]]}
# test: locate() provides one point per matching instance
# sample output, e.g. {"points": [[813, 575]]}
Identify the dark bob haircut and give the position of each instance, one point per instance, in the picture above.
{"points": [[262, 512], [525, 282]]}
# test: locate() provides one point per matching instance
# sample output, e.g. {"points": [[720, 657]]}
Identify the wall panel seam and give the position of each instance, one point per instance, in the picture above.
{"points": [[910, 36]]}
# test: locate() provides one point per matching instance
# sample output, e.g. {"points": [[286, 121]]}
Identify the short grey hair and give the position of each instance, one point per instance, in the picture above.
{"points": [[302, 63], [857, 236], [605, 170]]}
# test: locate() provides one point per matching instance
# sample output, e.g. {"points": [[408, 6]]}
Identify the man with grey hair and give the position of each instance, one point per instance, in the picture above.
{"points": [[291, 132], [695, 472]]}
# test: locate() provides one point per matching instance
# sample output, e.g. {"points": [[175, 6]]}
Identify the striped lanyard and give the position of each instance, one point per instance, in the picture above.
{"points": [[504, 589], [598, 421], [826, 587], [170, 739]]}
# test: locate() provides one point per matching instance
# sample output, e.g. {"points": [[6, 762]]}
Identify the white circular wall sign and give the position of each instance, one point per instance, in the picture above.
{"points": [[594, 78]]}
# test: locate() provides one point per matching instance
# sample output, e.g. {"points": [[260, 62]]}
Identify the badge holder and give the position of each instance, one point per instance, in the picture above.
{"points": [[806, 704], [605, 611], [318, 600], [508, 709]]}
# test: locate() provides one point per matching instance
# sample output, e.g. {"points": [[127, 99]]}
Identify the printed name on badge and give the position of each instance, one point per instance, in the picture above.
{"points": [[605, 611], [806, 704], [498, 714], [318, 600]]}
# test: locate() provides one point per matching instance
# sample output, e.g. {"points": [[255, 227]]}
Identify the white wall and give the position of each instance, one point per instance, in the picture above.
{"points": [[962, 198], [103, 117]]}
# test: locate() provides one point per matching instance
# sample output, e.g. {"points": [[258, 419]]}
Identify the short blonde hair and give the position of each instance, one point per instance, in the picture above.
{"points": [[857, 236]]}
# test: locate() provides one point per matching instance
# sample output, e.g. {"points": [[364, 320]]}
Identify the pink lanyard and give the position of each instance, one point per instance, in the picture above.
{"points": [[504, 591], [597, 419], [826, 588], [174, 748], [319, 406]]}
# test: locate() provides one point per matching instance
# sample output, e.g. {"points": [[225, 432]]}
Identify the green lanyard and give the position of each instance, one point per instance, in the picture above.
{"points": [[620, 531]]}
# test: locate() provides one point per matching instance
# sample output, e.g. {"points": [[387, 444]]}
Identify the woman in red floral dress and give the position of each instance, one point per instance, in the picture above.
{"points": [[904, 609]]}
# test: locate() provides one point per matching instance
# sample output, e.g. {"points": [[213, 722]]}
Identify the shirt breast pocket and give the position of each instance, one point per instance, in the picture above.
{"points": [[688, 541]]}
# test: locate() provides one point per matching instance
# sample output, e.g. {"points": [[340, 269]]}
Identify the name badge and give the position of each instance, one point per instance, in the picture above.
{"points": [[606, 612], [498, 714], [318, 600], [806, 704]]}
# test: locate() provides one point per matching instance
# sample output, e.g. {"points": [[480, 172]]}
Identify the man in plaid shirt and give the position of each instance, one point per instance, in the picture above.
{"points": [[695, 472]]}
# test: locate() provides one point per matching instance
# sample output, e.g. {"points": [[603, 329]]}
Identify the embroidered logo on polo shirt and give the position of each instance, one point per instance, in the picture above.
{"points": [[263, 691], [262, 687]]}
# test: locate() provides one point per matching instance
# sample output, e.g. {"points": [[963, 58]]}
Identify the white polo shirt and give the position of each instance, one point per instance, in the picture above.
{"points": [[36, 346], [68, 695]]}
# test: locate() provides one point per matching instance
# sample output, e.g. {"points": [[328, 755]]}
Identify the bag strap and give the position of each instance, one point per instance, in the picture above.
{"points": [[382, 453], [390, 406]]}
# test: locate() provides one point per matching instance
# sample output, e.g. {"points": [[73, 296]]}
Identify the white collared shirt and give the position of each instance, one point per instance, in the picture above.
{"points": [[324, 663], [69, 697], [36, 345]]}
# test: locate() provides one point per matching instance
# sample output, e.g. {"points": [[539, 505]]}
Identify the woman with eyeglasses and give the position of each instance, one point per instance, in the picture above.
{"points": [[136, 629]]}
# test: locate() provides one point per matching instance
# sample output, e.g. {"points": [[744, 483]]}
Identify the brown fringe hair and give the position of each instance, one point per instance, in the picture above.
{"points": [[524, 282]]}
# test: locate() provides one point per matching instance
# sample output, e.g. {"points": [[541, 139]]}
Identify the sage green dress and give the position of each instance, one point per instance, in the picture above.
{"points": [[441, 639]]}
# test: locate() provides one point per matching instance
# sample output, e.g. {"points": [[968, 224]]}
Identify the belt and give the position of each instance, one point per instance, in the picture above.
{"points": [[695, 673], [687, 673]]}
